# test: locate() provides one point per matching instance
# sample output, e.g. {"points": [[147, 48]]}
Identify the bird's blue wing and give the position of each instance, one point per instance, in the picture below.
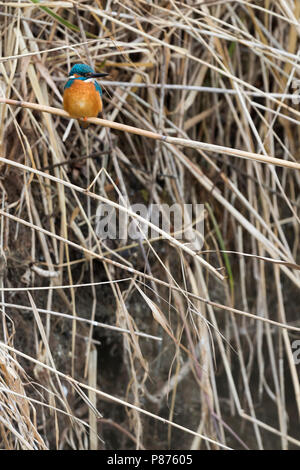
{"points": [[69, 83], [98, 88]]}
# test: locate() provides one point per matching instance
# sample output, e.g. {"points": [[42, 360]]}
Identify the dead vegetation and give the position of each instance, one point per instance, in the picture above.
{"points": [[150, 343]]}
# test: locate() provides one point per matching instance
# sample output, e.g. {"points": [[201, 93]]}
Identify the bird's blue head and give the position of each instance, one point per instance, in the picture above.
{"points": [[83, 72]]}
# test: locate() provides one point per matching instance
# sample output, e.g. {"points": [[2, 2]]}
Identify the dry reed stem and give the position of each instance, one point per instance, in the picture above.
{"points": [[154, 135]]}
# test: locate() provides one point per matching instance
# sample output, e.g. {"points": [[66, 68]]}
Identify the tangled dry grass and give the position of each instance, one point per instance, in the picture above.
{"points": [[150, 344]]}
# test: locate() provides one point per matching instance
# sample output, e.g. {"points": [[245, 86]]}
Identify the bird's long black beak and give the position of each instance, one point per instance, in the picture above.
{"points": [[98, 75]]}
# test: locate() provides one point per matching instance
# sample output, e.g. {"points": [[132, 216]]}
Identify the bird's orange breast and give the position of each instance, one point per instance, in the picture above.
{"points": [[82, 99]]}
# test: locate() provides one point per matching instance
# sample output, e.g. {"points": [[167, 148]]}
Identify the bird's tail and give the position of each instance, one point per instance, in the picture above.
{"points": [[83, 124]]}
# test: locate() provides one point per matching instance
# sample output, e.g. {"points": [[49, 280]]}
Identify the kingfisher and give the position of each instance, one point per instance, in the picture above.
{"points": [[82, 93]]}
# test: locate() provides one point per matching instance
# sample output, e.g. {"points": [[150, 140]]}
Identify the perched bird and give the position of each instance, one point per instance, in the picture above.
{"points": [[82, 94]]}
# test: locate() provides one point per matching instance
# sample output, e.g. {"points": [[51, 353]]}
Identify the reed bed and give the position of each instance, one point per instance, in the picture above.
{"points": [[150, 343]]}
